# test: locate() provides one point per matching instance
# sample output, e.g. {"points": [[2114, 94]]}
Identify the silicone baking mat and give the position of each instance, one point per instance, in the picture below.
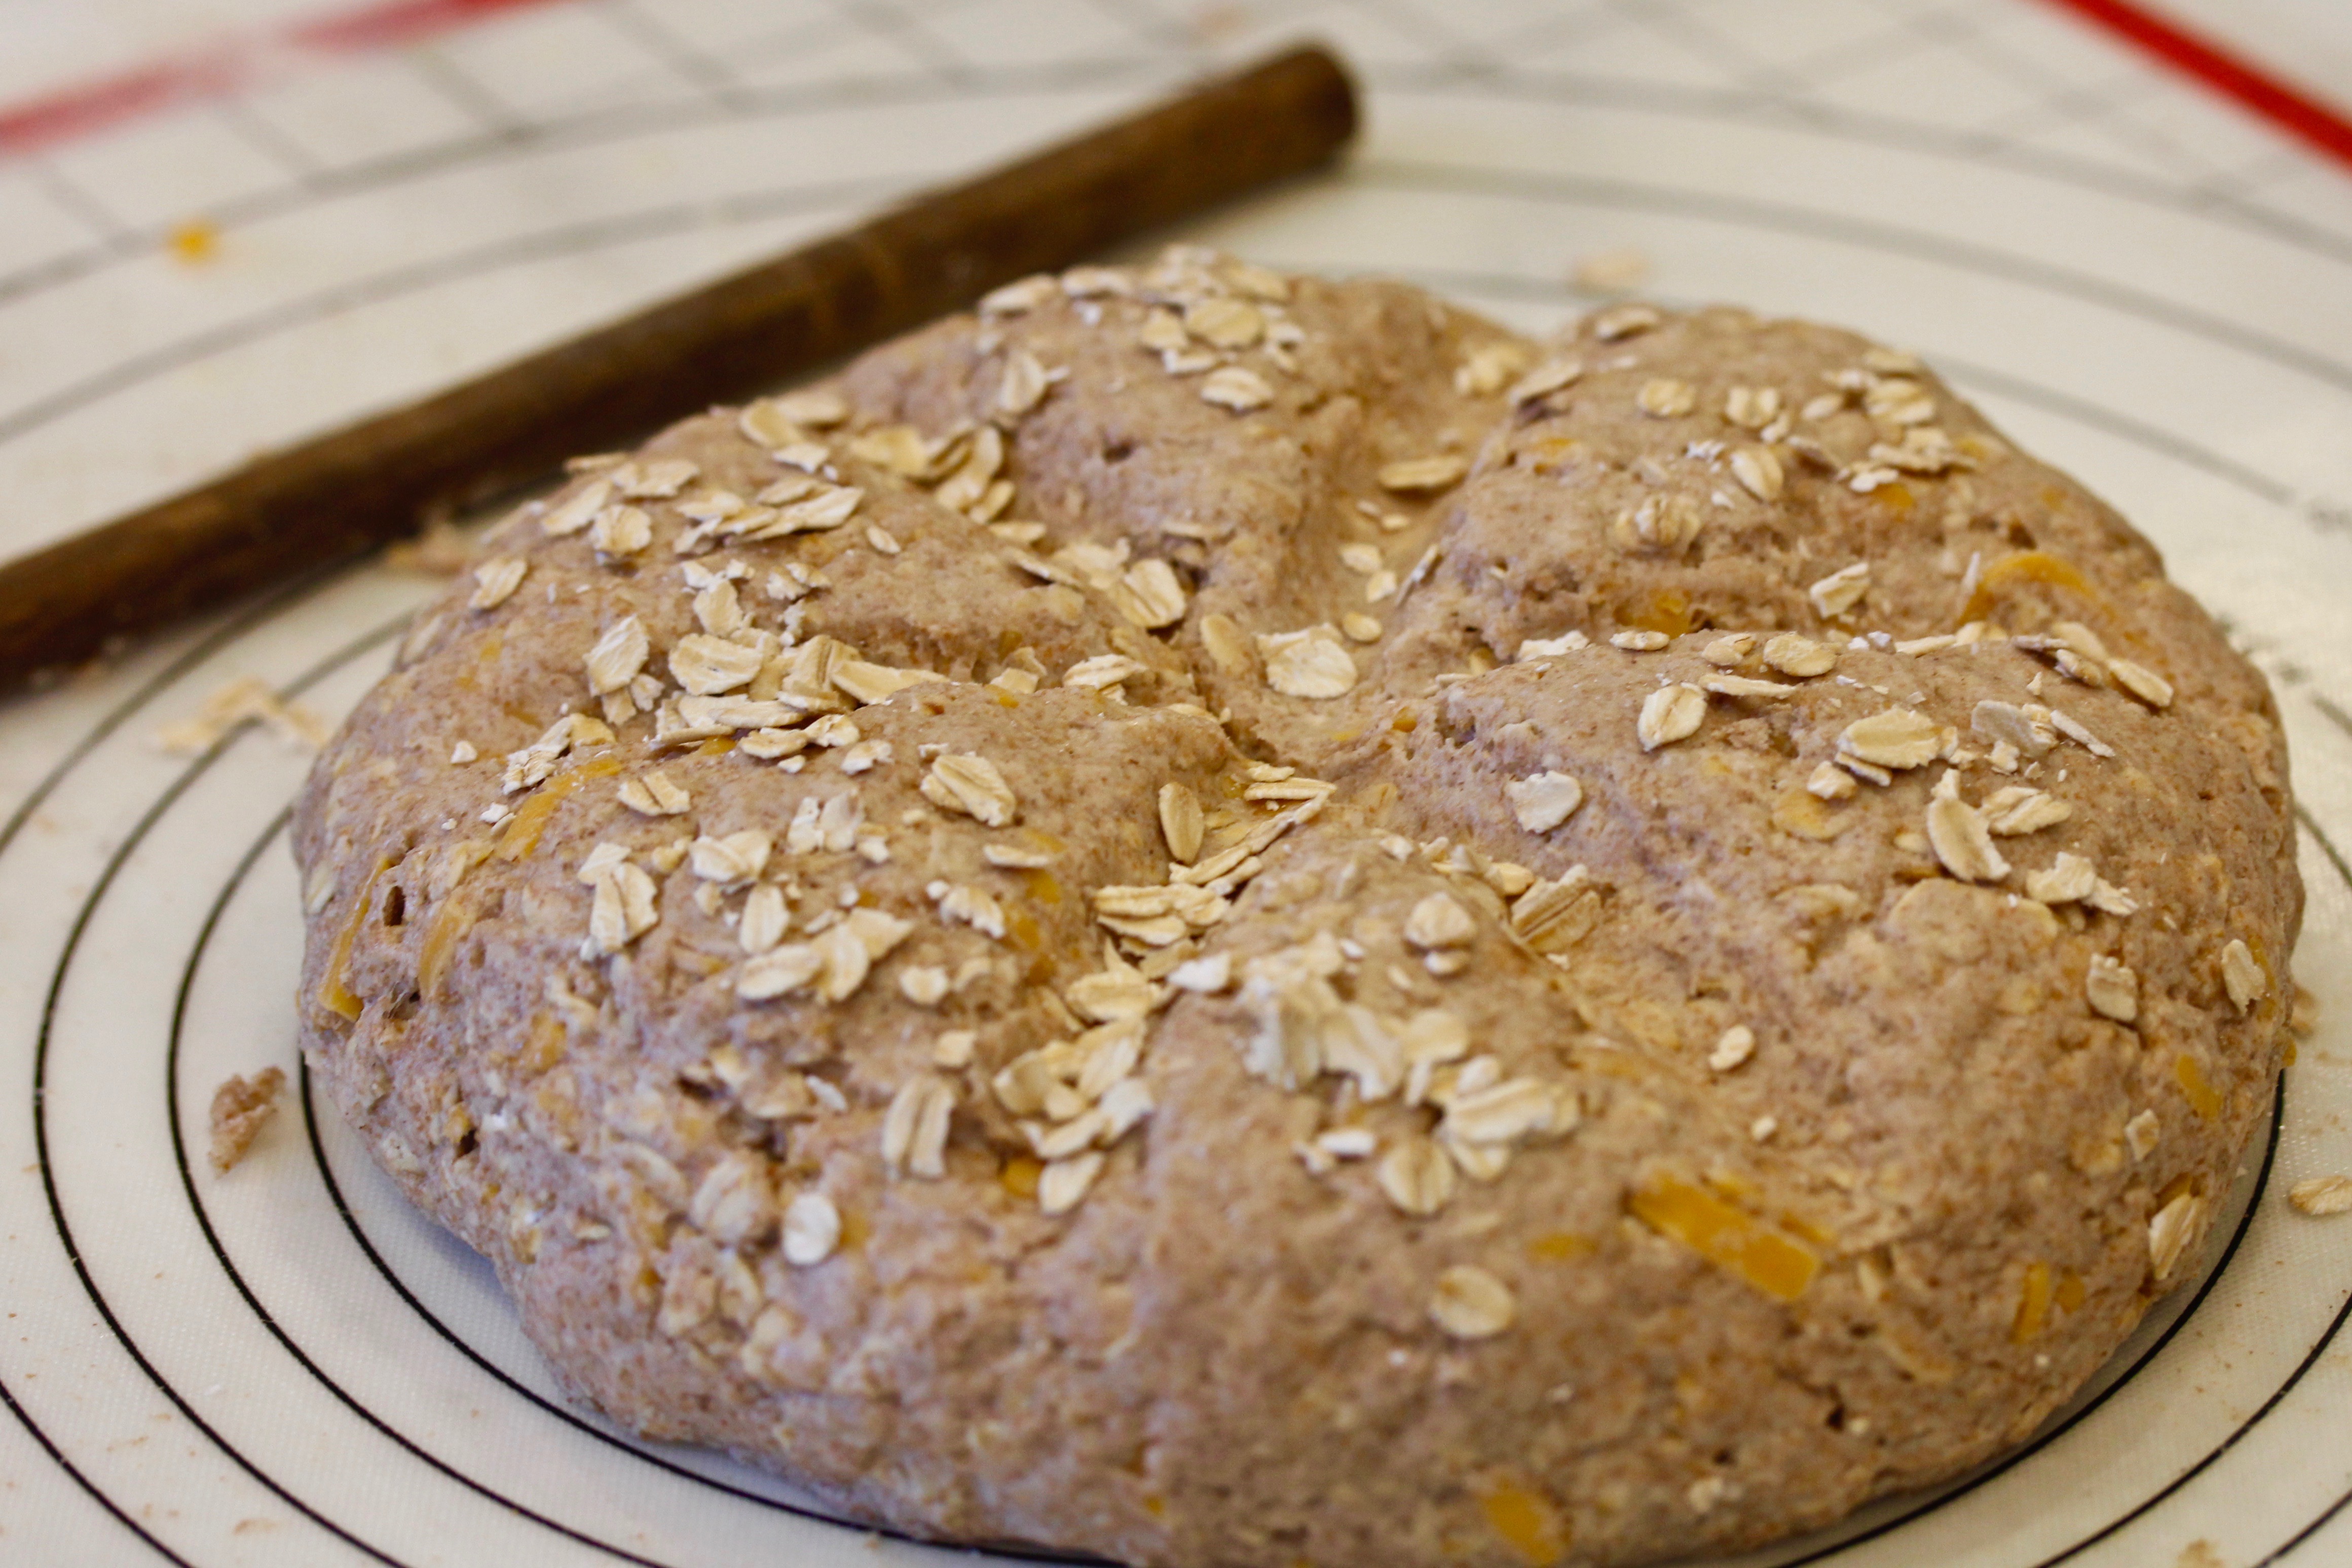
{"points": [[259, 222]]}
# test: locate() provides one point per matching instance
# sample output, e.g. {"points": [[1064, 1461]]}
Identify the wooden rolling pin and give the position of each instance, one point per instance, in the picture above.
{"points": [[369, 482]]}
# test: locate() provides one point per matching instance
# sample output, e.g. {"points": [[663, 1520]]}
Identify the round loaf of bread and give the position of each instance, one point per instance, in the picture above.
{"points": [[1224, 920]]}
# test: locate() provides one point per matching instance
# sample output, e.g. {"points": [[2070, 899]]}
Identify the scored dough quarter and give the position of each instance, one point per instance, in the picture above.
{"points": [[1221, 919]]}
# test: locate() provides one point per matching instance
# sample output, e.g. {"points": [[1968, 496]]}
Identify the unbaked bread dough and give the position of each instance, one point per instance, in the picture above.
{"points": [[1230, 919]]}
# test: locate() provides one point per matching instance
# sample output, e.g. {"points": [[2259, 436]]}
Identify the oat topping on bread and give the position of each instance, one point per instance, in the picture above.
{"points": [[1222, 918]]}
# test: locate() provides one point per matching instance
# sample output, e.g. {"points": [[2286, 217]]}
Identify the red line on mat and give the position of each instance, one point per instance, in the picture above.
{"points": [[61, 116], [2292, 111], [395, 21], [222, 66]]}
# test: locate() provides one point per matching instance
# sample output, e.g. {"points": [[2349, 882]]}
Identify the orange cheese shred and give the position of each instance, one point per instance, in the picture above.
{"points": [[1560, 1247], [334, 995], [1667, 610], [1019, 1176], [1732, 1239], [2033, 1304], [530, 818], [2026, 567], [1528, 1521], [2202, 1098]]}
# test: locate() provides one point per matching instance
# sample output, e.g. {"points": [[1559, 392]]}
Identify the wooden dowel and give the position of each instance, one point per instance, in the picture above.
{"points": [[369, 482]]}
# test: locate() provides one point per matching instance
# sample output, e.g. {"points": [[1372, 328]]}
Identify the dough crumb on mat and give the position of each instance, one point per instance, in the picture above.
{"points": [[241, 1107], [245, 700]]}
